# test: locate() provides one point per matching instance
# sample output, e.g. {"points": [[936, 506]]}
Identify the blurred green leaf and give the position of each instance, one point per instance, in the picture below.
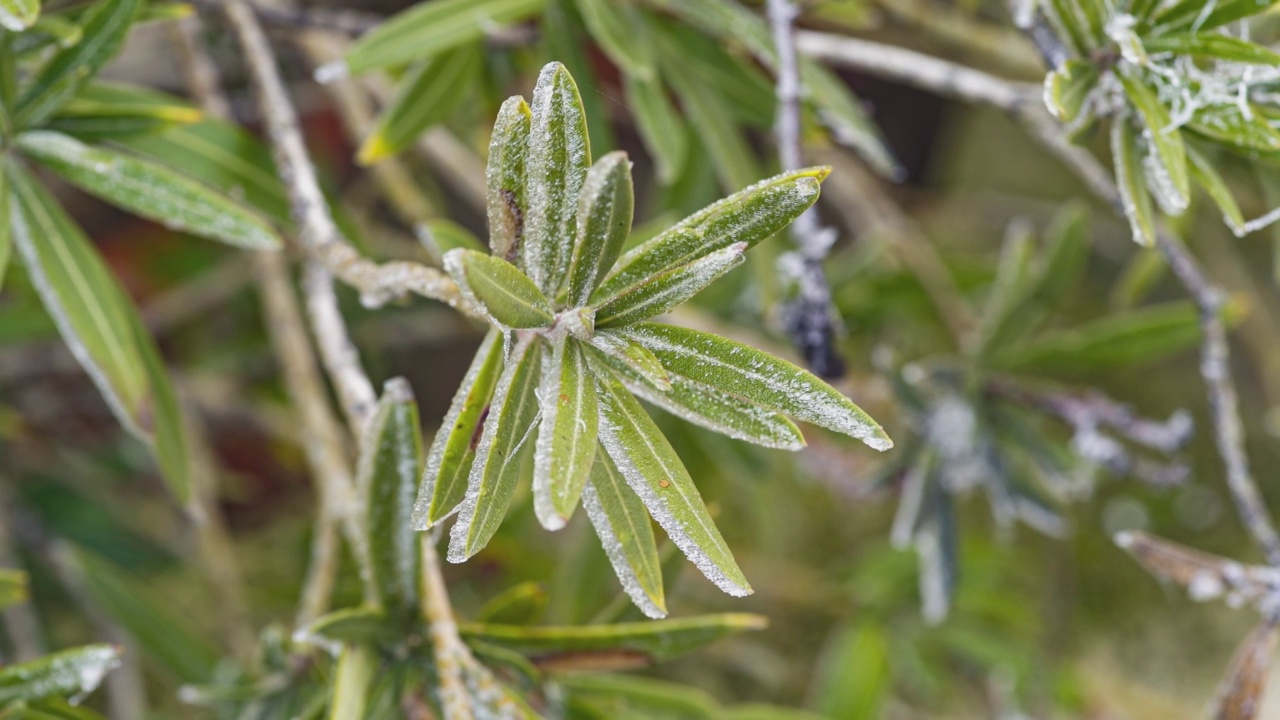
{"points": [[559, 156], [566, 442], [356, 671], [1228, 125], [442, 235], [13, 587], [453, 449], [496, 469], [70, 672], [1203, 172], [105, 25], [713, 127], [6, 229], [150, 190], [1067, 87], [428, 94], [622, 524], [364, 625], [387, 478], [1129, 179], [659, 125], [18, 15], [853, 673], [431, 27], [1164, 137], [620, 30], [107, 111], [605, 208], [506, 296], [52, 709], [518, 605], [1214, 47], [1197, 16]]}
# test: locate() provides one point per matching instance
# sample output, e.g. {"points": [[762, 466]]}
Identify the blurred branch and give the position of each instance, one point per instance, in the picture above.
{"points": [[808, 317]]}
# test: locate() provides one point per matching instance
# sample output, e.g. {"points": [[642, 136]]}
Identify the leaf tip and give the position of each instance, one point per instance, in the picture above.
{"points": [[374, 148]]}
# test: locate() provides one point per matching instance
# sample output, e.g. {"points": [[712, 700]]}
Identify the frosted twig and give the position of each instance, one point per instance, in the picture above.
{"points": [[807, 317]]}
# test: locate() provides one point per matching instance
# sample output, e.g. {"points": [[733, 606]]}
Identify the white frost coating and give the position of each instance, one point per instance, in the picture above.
{"points": [[935, 597], [1119, 29], [467, 508], [617, 556], [1171, 200], [778, 435], [435, 456], [453, 265], [622, 350], [548, 393], [660, 512], [679, 284], [1123, 182], [331, 72], [909, 504], [1205, 586]]}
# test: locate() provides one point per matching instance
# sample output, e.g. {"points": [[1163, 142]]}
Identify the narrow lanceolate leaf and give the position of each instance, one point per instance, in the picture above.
{"points": [[355, 674], [70, 672], [758, 377], [1133, 192], [638, 360], [669, 289], [1199, 16], [622, 523], [1066, 88], [605, 209], [104, 111], [89, 308], [366, 624], [428, 28], [559, 155], [650, 641], [621, 32], [105, 26], [1169, 176], [497, 288], [18, 15], [13, 587], [506, 200], [659, 125], [496, 469], [724, 412], [150, 189], [444, 482], [6, 240], [1241, 691], [566, 441], [654, 471], [1214, 47], [426, 96], [390, 465], [748, 216], [1207, 176], [168, 426]]}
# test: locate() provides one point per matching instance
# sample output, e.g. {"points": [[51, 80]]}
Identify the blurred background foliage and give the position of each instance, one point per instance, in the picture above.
{"points": [[970, 297]]}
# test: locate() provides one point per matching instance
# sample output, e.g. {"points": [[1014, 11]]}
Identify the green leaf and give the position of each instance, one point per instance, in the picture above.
{"points": [[669, 289], [622, 524], [150, 190], [1227, 124], [659, 125], [518, 605], [854, 673], [106, 25], [498, 289], [6, 228], [386, 478], [496, 468], [508, 158], [13, 587], [1214, 47], [1133, 191], [1199, 16], [428, 28], [18, 15], [70, 672], [222, 156], [52, 709], [449, 460], [168, 426], [758, 377], [605, 209], [356, 671], [559, 155], [566, 441], [844, 116], [1067, 87], [655, 473], [1165, 138], [428, 94], [364, 625], [105, 111], [748, 216], [1204, 173], [713, 127], [649, 641], [441, 235], [621, 32], [633, 357]]}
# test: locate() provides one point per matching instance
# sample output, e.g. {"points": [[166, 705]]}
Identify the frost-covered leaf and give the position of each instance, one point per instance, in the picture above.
{"points": [[585, 646], [428, 94], [605, 208], [1133, 191], [495, 472], [622, 524], [105, 25], [1228, 125], [428, 28], [75, 672], [1066, 88], [444, 481], [507, 297], [96, 319], [758, 377], [748, 216], [150, 190], [566, 441], [713, 408], [505, 178], [559, 155], [386, 478], [638, 360], [18, 15], [1168, 175], [655, 473], [1241, 691], [665, 291], [13, 587], [1214, 47], [1203, 172], [367, 624], [659, 125], [355, 673], [1199, 16]]}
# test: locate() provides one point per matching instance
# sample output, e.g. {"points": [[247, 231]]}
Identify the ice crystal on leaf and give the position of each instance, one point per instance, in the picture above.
{"points": [[548, 399]]}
